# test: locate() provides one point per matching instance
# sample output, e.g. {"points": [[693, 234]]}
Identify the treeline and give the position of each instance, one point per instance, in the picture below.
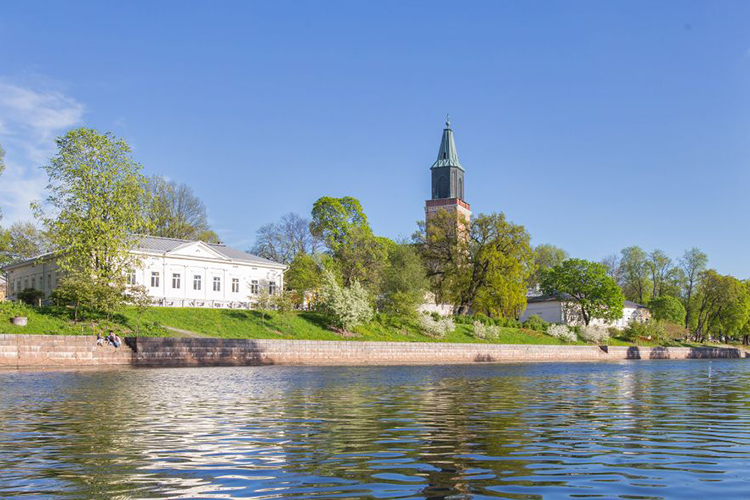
{"points": [[684, 291], [337, 263], [489, 266]]}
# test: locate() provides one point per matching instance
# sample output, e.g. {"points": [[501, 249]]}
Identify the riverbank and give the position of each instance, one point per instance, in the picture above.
{"points": [[291, 325], [251, 324], [18, 351]]}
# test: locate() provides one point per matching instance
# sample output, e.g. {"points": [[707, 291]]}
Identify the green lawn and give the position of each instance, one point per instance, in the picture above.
{"points": [[226, 323]]}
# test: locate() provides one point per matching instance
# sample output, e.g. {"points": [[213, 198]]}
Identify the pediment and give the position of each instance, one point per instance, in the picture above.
{"points": [[196, 249]]}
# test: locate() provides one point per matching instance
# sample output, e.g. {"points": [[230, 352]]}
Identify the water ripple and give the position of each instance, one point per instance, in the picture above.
{"points": [[637, 430]]}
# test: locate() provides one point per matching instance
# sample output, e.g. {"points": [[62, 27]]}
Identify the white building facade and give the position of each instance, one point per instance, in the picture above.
{"points": [[176, 273], [567, 312]]}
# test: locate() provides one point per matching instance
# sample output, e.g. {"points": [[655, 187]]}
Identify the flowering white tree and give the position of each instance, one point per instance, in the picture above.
{"points": [[347, 306], [437, 328], [486, 332], [562, 332], [596, 334]]}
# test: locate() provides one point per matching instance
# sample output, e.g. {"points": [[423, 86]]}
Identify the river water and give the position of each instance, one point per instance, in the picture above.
{"points": [[643, 429]]}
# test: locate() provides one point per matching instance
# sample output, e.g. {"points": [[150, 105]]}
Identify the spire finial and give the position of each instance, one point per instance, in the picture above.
{"points": [[447, 120]]}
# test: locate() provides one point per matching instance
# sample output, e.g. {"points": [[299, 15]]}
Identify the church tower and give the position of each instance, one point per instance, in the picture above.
{"points": [[447, 179]]}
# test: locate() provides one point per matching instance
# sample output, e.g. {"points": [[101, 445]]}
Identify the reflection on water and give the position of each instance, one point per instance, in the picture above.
{"points": [[632, 430]]}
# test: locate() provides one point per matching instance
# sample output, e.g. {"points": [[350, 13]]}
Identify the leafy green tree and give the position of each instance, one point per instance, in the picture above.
{"points": [[483, 266], [546, 256], [358, 255], [92, 211], [693, 264], [634, 274], [723, 306], [22, 240], [587, 284], [305, 275], [667, 308], [335, 219], [362, 258], [404, 281], [174, 211]]}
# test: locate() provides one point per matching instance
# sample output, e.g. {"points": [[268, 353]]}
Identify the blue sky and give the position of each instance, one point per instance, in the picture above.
{"points": [[597, 125]]}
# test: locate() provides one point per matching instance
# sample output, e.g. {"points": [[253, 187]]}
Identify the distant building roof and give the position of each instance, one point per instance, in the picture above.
{"points": [[565, 297], [158, 244], [163, 245]]}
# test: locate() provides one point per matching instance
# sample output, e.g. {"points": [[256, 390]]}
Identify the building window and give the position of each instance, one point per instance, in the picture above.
{"points": [[49, 281], [272, 288], [197, 282], [25, 283], [176, 278], [131, 278], [217, 284], [154, 279], [33, 283], [235, 285], [254, 287]]}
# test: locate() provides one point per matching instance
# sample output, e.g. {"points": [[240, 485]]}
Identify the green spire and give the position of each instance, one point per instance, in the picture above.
{"points": [[447, 155]]}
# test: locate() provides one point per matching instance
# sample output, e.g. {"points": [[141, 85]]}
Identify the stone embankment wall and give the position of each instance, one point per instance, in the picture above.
{"points": [[49, 350], [59, 350], [199, 352]]}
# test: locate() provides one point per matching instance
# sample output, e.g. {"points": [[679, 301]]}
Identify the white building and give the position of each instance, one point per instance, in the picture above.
{"points": [[567, 312], [177, 273]]}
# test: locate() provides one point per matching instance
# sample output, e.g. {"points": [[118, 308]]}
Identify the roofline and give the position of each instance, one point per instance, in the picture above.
{"points": [[267, 263], [26, 261], [539, 299]]}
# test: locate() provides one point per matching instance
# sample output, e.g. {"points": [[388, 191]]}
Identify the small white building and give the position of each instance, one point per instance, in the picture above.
{"points": [[566, 312], [176, 273]]}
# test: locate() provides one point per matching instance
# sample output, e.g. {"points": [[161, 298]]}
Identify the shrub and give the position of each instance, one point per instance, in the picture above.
{"points": [[596, 334], [536, 323], [463, 319], [437, 328], [30, 296], [562, 332], [662, 331], [486, 332], [511, 323], [347, 307]]}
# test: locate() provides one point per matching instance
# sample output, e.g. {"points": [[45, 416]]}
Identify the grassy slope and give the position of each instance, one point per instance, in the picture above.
{"points": [[225, 323], [311, 326]]}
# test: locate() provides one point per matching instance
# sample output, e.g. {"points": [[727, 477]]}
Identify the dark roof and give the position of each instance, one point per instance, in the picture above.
{"points": [[562, 297]]}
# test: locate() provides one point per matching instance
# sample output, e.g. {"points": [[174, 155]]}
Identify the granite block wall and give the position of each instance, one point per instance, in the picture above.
{"points": [[49, 350]]}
